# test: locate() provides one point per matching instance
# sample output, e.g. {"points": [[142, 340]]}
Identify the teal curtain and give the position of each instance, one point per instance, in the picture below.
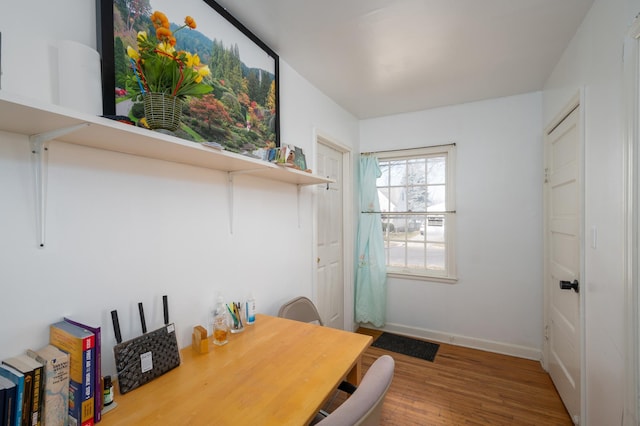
{"points": [[371, 272]]}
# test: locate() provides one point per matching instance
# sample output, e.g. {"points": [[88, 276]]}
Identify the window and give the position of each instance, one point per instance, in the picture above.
{"points": [[417, 202]]}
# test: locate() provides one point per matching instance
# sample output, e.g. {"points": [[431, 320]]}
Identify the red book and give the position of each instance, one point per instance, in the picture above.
{"points": [[97, 377]]}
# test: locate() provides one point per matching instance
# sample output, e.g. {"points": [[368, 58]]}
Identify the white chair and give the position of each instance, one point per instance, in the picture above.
{"points": [[300, 309], [364, 406]]}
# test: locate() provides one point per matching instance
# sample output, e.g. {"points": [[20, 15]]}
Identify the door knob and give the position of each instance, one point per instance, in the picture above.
{"points": [[568, 285]]}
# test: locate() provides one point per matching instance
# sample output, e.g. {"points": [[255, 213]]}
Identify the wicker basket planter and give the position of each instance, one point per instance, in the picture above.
{"points": [[162, 111]]}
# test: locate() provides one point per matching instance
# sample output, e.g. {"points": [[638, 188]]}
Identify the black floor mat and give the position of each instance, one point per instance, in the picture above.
{"points": [[407, 346]]}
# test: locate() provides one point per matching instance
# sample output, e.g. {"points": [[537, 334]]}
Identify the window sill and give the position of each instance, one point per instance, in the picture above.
{"points": [[419, 277]]}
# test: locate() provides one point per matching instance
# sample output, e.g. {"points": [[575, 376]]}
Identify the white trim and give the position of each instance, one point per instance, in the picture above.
{"points": [[418, 277], [631, 100], [583, 274], [464, 341]]}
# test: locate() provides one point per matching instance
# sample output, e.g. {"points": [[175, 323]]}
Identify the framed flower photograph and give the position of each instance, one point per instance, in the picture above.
{"points": [[220, 80]]}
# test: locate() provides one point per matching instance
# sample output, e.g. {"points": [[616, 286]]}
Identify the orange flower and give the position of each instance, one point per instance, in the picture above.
{"points": [[159, 20], [163, 34], [190, 22]]}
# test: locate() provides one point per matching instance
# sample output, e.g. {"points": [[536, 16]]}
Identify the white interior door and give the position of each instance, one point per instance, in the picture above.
{"points": [[563, 260], [330, 268]]}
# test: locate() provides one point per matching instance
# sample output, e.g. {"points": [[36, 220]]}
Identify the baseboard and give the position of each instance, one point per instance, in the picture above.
{"points": [[465, 341]]}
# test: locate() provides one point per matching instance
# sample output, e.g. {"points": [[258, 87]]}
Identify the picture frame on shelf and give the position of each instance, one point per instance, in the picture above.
{"points": [[242, 113], [300, 160]]}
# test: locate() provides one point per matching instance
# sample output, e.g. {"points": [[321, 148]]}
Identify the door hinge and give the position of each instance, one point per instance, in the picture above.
{"points": [[546, 332], [546, 175]]}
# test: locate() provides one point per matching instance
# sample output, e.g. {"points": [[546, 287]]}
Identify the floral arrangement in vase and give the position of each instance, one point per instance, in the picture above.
{"points": [[163, 77], [160, 68]]}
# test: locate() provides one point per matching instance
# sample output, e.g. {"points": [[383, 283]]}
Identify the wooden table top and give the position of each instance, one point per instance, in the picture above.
{"points": [[276, 372]]}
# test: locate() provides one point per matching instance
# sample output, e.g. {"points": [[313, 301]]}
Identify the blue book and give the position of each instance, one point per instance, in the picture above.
{"points": [[18, 378], [33, 387], [4, 416], [8, 392]]}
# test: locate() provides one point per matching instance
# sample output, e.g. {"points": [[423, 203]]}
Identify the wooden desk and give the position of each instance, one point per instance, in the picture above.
{"points": [[276, 372]]}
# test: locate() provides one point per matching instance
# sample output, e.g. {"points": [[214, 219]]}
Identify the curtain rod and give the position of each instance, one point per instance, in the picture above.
{"points": [[410, 213], [408, 149]]}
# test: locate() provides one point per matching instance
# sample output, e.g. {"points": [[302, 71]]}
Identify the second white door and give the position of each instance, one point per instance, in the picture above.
{"points": [[563, 260], [330, 267]]}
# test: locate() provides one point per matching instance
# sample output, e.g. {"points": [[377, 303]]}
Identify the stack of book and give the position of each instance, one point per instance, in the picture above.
{"points": [[57, 385]]}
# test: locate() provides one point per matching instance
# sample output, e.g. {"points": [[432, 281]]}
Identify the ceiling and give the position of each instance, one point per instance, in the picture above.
{"points": [[382, 57]]}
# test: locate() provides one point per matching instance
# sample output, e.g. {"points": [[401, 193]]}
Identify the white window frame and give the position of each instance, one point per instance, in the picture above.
{"points": [[449, 275]]}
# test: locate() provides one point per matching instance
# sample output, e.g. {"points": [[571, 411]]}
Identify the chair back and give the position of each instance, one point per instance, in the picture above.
{"points": [[364, 407], [300, 309]]}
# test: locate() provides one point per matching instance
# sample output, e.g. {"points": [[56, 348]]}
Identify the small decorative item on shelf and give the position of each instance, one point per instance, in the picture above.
{"points": [[163, 76], [121, 118], [270, 152], [289, 156]]}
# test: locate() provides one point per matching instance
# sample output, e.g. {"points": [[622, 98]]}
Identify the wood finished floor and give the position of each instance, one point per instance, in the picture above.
{"points": [[468, 387]]}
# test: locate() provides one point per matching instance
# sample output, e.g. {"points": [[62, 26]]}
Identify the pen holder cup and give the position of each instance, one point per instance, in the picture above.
{"points": [[237, 320]]}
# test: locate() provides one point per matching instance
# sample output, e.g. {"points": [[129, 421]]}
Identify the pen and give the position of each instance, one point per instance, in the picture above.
{"points": [[235, 321], [237, 305]]}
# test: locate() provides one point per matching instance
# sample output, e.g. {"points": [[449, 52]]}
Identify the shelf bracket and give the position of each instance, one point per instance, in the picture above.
{"points": [[39, 144], [230, 176], [299, 189]]}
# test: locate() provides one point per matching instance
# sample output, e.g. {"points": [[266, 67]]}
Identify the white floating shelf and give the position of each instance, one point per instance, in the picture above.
{"points": [[29, 117]]}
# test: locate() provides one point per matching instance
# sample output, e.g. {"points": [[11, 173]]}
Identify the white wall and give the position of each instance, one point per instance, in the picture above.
{"points": [[28, 49], [497, 302], [593, 62], [123, 229]]}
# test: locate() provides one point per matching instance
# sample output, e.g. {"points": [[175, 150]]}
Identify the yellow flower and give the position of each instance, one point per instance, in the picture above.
{"points": [[166, 48], [142, 36], [143, 122], [133, 53], [188, 59], [204, 71], [196, 60]]}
